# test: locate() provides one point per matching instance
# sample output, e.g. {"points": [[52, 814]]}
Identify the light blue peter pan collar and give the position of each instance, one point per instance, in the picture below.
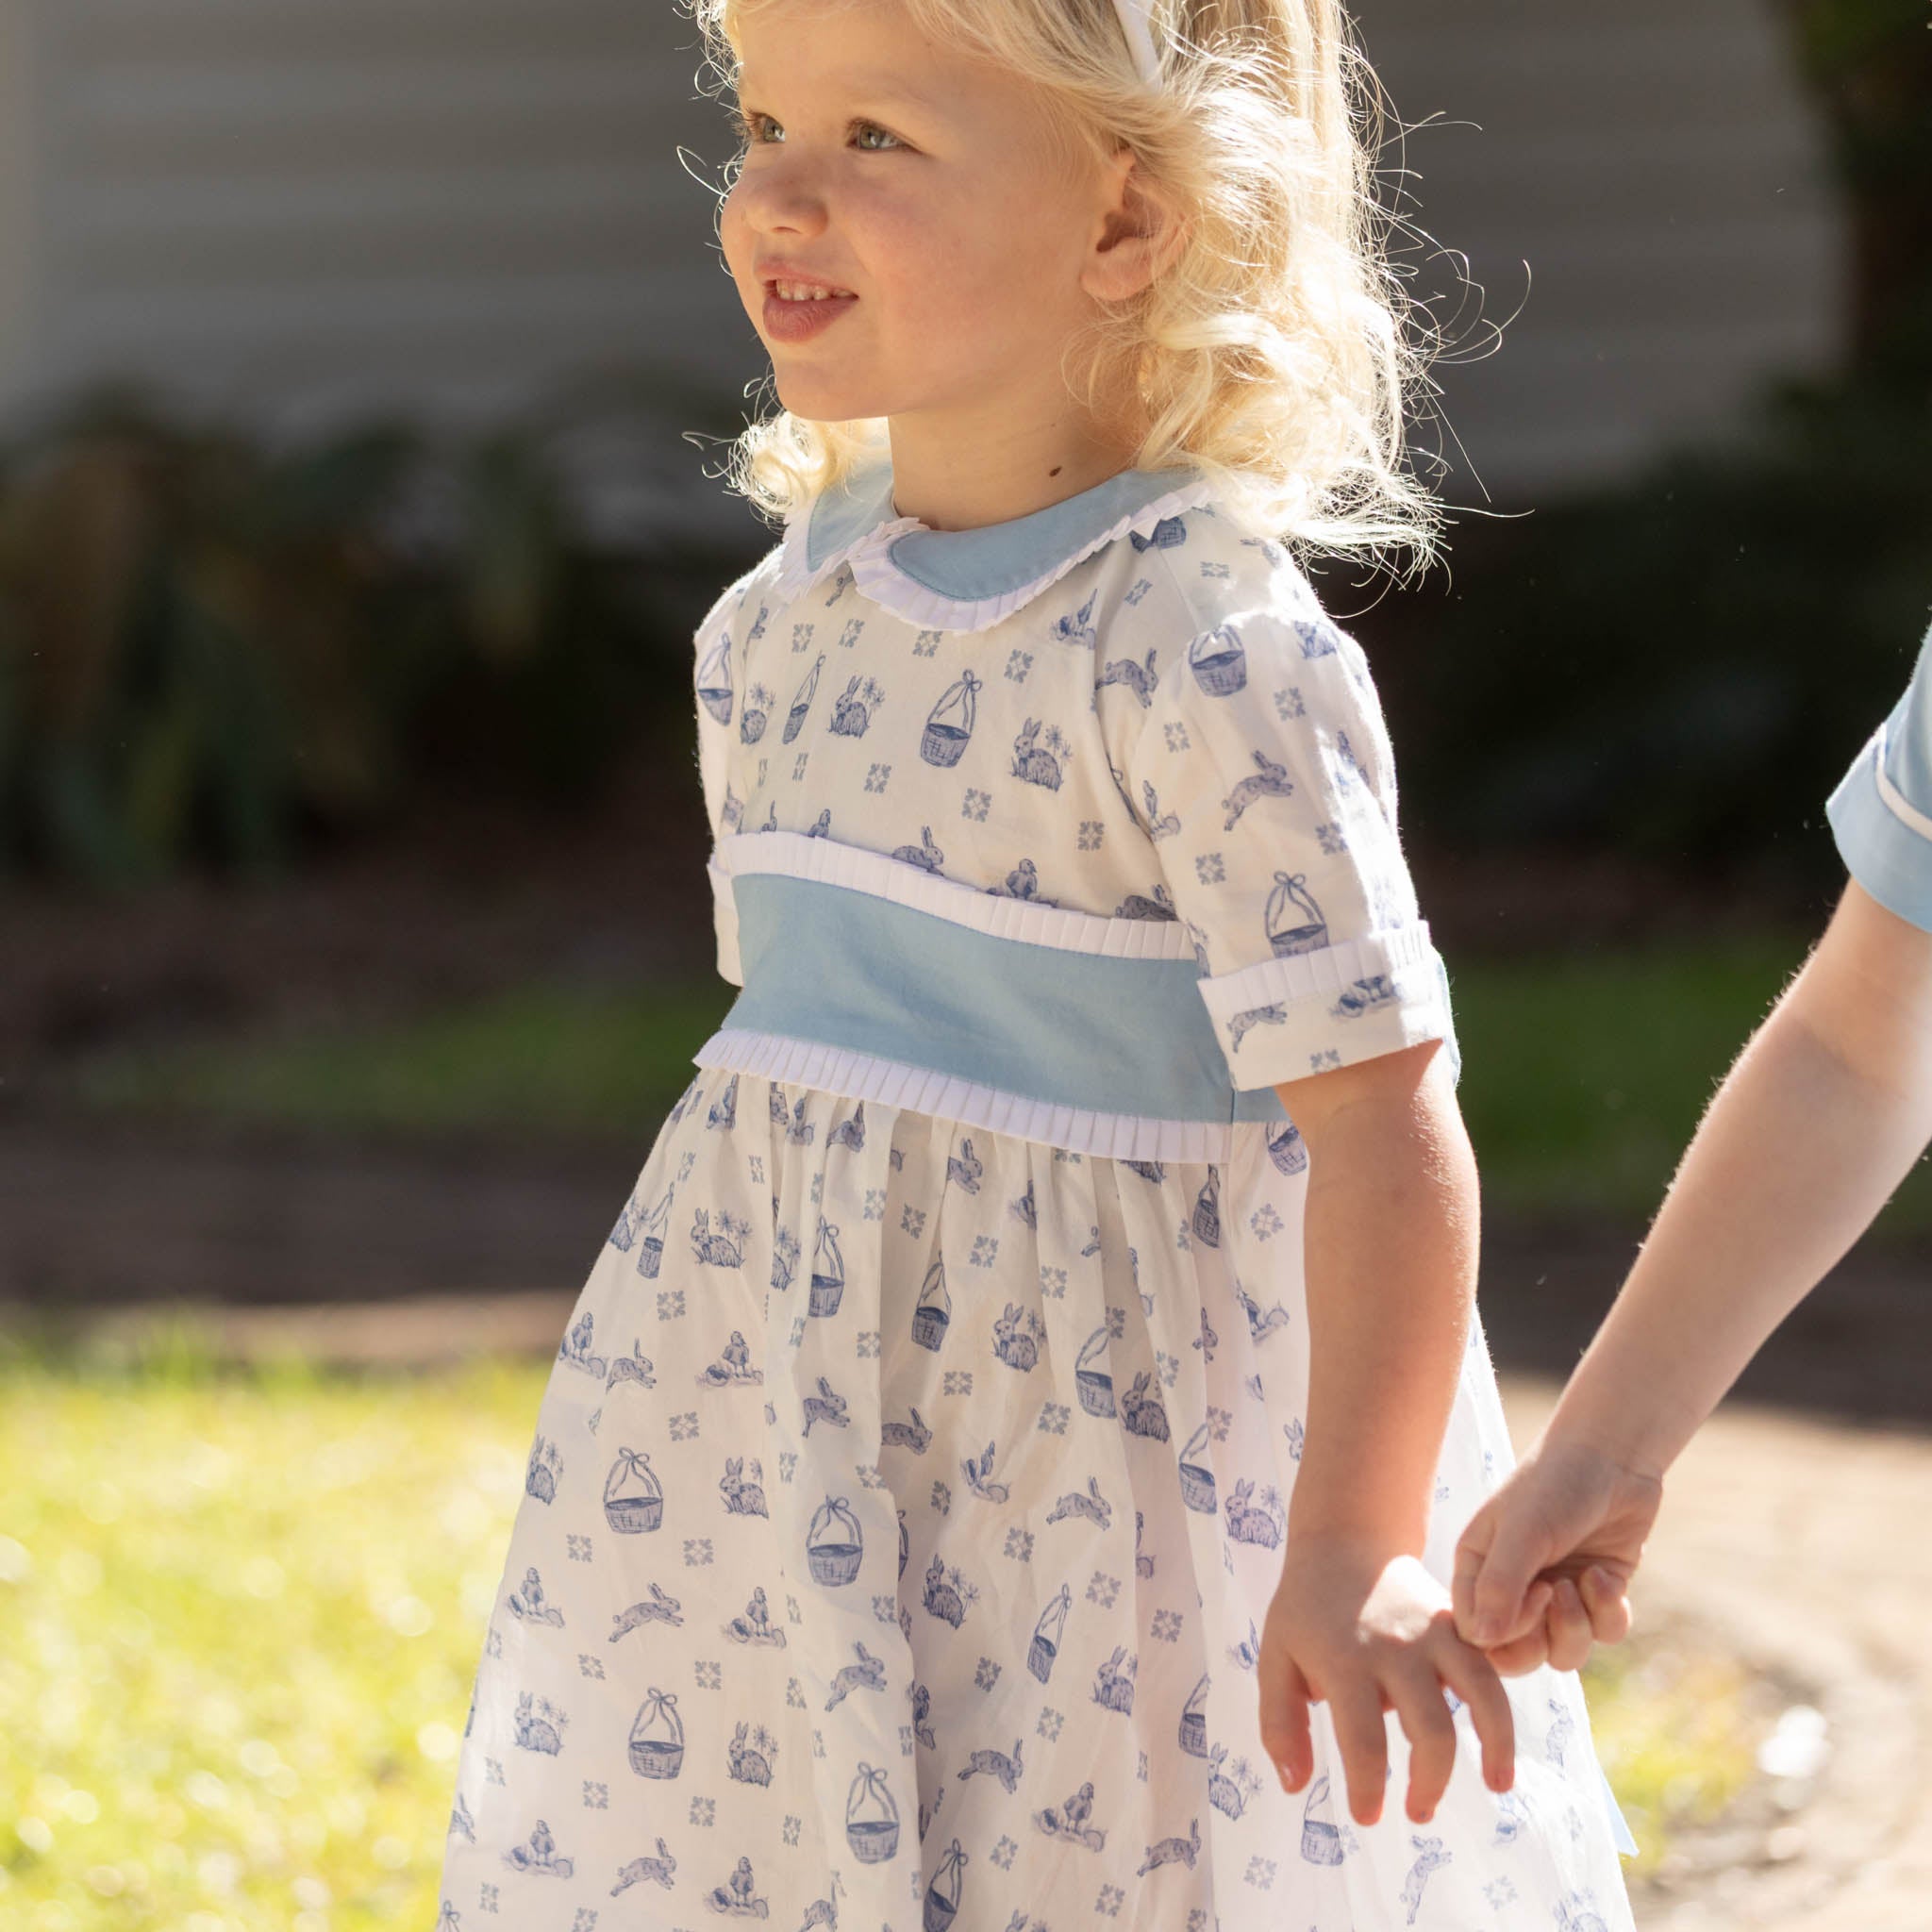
{"points": [[970, 580]]}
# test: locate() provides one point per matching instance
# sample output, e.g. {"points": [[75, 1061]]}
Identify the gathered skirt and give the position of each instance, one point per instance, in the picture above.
{"points": [[904, 1510]]}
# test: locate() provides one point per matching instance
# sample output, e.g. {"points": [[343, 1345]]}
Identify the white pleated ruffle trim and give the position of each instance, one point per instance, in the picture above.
{"points": [[830, 862], [921, 1089], [1288, 978], [890, 585]]}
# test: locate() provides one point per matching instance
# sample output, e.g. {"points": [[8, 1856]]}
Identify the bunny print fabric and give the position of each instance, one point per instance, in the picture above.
{"points": [[912, 1480]]}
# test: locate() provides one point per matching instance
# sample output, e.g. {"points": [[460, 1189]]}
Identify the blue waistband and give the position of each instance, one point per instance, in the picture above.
{"points": [[828, 964]]}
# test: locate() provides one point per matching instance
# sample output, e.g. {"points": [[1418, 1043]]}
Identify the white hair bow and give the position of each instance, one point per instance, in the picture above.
{"points": [[1135, 20]]}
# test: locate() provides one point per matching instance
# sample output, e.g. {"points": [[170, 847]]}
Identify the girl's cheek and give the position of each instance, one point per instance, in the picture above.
{"points": [[734, 237]]}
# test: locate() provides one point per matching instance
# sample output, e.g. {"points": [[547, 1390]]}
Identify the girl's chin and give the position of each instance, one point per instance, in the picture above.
{"points": [[824, 402]]}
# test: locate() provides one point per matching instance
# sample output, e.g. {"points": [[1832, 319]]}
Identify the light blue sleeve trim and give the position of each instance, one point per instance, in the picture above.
{"points": [[1888, 854], [1907, 760], [1881, 813], [1619, 1828]]}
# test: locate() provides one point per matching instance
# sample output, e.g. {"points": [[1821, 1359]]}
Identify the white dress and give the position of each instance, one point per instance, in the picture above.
{"points": [[912, 1481]]}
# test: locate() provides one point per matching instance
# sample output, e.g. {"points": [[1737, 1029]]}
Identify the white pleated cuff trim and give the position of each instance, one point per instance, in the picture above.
{"points": [[891, 586], [797, 855], [1284, 1018], [921, 1089]]}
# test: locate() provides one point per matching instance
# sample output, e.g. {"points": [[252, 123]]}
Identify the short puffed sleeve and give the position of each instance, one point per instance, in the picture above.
{"points": [[718, 663], [1881, 813], [1262, 770]]}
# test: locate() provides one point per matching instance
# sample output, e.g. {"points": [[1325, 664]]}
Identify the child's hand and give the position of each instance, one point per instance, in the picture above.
{"points": [[1368, 1632], [1542, 1567]]}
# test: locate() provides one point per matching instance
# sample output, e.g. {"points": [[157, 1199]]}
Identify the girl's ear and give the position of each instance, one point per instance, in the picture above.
{"points": [[1139, 235]]}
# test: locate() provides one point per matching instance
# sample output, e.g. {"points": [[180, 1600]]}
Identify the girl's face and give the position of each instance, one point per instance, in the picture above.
{"points": [[924, 184]]}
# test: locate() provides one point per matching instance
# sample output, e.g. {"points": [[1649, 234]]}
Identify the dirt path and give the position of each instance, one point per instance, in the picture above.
{"points": [[1803, 1543]]}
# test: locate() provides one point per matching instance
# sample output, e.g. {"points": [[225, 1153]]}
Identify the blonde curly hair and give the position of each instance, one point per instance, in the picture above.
{"points": [[1269, 354]]}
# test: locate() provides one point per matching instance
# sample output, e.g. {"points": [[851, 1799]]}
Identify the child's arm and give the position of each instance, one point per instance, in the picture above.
{"points": [[1389, 1240], [1389, 1243], [1825, 1112], [1260, 764]]}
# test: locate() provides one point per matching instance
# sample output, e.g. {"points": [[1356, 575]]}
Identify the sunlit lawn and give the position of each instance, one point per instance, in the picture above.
{"points": [[239, 1621], [241, 1612]]}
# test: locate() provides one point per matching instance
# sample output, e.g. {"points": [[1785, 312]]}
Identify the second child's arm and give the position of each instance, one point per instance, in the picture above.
{"points": [[1390, 1242], [1824, 1113]]}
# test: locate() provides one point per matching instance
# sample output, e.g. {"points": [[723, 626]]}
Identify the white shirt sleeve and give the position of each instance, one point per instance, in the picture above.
{"points": [[1262, 767]]}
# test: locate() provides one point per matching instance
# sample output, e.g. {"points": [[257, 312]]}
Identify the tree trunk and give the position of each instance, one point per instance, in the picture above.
{"points": [[1868, 65]]}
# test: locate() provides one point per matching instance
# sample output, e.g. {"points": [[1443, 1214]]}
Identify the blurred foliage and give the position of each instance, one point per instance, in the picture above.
{"points": [[240, 1615], [1680, 668], [1868, 63], [214, 650]]}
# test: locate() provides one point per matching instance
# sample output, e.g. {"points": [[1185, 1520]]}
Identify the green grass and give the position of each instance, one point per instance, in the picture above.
{"points": [[241, 1613], [1584, 1075], [239, 1623], [535, 1059]]}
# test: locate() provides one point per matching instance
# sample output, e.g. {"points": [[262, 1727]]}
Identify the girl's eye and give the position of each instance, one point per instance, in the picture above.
{"points": [[750, 125]]}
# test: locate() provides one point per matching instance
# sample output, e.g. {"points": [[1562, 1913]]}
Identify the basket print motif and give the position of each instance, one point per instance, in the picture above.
{"points": [[907, 1497]]}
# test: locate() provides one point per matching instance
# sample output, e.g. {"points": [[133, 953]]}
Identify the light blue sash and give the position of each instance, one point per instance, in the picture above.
{"points": [[846, 968]]}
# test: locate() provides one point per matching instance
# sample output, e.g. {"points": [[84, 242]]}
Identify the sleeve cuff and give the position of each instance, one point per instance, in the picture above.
{"points": [[1885, 841], [1289, 1017]]}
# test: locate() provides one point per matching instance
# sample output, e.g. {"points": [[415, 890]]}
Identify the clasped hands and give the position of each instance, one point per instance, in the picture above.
{"points": [[1541, 1574]]}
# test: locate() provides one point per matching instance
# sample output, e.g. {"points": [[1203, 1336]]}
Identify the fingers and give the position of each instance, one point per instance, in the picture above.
{"points": [[1521, 1655], [1285, 1698], [1471, 1552], [1610, 1615], [1415, 1691], [1527, 1646], [1432, 1734], [1475, 1680], [1363, 1739], [1431, 1737], [1516, 1657], [1568, 1622], [1495, 1561]]}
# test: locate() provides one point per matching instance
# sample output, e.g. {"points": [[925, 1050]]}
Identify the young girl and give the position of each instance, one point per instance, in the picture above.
{"points": [[1755, 1219], [1028, 1398]]}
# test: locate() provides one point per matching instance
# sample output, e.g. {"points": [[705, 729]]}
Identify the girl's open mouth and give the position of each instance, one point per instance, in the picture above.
{"points": [[799, 322]]}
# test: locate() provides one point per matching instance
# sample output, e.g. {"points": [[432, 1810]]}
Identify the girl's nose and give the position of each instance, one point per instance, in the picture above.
{"points": [[795, 211]]}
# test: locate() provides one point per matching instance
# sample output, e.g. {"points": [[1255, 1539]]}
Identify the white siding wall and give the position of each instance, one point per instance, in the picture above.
{"points": [[19, 215], [302, 206], [1661, 170], [336, 202]]}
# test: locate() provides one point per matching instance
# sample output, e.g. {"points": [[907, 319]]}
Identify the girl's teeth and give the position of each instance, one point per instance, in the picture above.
{"points": [[800, 292]]}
